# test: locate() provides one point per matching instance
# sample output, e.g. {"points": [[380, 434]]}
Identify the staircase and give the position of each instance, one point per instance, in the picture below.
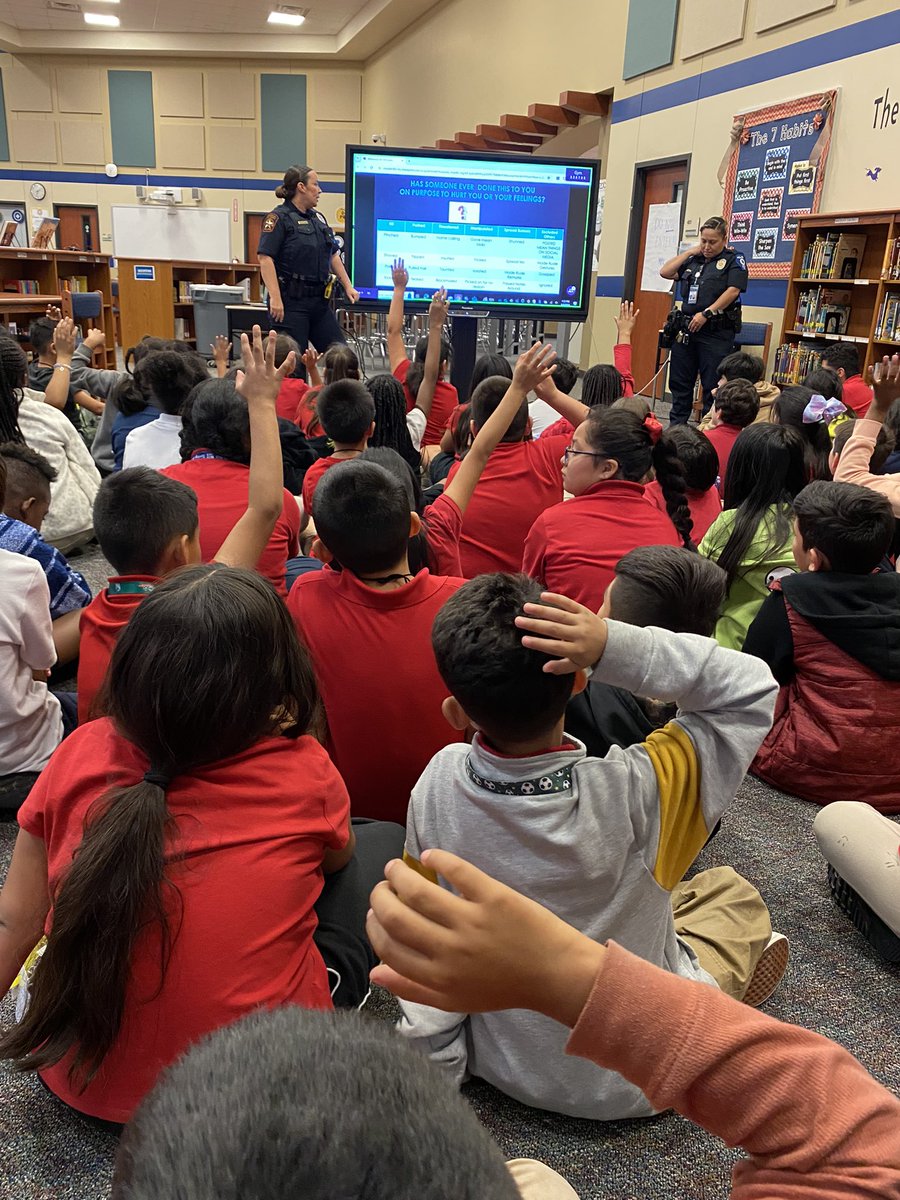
{"points": [[524, 134]]}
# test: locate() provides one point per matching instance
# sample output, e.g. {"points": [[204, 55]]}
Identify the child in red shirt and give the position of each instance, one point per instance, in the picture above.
{"points": [[573, 548], [175, 851], [700, 464], [410, 374], [147, 524], [735, 406], [293, 388], [338, 362], [347, 412], [843, 359]]}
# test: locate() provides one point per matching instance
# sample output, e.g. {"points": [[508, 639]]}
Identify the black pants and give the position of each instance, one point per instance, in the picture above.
{"points": [[702, 355], [310, 320], [342, 907]]}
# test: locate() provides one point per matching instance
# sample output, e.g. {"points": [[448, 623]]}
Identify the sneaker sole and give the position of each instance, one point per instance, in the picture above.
{"points": [[769, 971]]}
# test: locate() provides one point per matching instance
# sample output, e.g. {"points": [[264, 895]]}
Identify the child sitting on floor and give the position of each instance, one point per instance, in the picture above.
{"points": [[165, 379], [741, 365], [28, 480], [700, 464], [831, 636], [604, 842], [147, 524], [735, 406], [347, 412], [843, 359]]}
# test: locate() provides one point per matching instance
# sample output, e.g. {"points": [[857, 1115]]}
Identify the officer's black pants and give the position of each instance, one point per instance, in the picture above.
{"points": [[310, 320], [702, 355]]}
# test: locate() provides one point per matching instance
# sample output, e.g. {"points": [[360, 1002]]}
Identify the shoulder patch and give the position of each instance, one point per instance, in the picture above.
{"points": [[270, 223], [741, 261]]}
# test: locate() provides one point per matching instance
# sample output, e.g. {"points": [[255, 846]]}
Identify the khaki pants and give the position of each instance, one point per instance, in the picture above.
{"points": [[536, 1181], [862, 846], [724, 920]]}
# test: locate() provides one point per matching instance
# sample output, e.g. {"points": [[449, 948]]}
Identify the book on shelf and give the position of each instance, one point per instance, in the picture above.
{"points": [[833, 256], [887, 325], [77, 283], [22, 287], [182, 291], [823, 310], [179, 328], [891, 268], [794, 361]]}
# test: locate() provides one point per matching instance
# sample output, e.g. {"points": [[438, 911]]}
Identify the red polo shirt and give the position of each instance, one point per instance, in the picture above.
{"points": [[371, 650], [446, 399], [519, 481], [101, 623], [289, 396], [313, 476], [573, 548], [723, 438], [222, 489], [705, 507], [856, 394]]}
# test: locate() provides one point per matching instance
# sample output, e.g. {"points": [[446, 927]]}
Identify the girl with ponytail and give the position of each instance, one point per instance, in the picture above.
{"points": [[573, 547], [183, 840]]}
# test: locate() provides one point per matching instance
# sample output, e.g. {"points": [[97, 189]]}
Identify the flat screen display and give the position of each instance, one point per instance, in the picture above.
{"points": [[503, 233]]}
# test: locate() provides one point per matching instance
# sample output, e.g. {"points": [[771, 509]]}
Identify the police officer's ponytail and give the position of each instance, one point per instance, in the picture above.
{"points": [[293, 177]]}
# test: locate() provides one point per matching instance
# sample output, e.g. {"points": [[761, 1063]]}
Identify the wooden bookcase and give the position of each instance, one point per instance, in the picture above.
{"points": [[867, 288], [151, 306], [52, 272]]}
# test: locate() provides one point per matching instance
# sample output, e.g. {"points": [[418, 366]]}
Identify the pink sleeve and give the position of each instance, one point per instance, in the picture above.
{"points": [[813, 1121], [853, 466], [443, 525], [622, 359]]}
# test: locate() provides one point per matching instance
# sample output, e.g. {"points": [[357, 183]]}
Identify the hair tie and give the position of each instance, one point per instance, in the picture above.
{"points": [[653, 427], [158, 777], [819, 409]]}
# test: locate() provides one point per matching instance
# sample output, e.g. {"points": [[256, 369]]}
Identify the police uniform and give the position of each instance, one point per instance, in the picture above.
{"points": [[702, 281], [301, 245]]}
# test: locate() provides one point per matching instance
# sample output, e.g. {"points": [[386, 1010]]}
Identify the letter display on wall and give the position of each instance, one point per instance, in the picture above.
{"points": [[775, 174]]}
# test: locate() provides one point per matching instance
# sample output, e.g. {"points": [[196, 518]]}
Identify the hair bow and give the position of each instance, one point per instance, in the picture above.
{"points": [[653, 427], [820, 409]]}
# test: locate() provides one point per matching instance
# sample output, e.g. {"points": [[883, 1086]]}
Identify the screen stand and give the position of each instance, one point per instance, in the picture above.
{"points": [[464, 332]]}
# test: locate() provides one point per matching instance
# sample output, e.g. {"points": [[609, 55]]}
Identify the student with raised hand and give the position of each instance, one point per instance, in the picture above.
{"points": [[752, 539], [603, 841], [411, 374], [831, 636], [147, 523], [745, 1077], [573, 547], [854, 463], [46, 364]]}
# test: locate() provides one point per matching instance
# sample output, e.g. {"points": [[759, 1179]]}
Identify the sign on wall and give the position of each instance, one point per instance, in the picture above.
{"points": [[775, 174]]}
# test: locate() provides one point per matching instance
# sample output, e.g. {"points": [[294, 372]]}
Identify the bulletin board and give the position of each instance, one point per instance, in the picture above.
{"points": [[775, 174]]}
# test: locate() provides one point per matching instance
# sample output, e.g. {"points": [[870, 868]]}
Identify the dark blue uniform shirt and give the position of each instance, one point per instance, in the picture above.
{"points": [[301, 244], [712, 276]]}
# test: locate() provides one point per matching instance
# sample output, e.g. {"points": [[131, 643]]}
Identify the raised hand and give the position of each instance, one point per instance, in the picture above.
{"points": [[260, 379], [534, 367], [628, 314], [399, 274], [438, 309], [884, 377], [309, 358], [483, 950], [221, 348], [64, 338], [54, 312], [565, 629]]}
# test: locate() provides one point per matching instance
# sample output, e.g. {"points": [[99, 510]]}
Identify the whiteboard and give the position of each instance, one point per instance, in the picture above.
{"points": [[170, 231], [663, 221]]}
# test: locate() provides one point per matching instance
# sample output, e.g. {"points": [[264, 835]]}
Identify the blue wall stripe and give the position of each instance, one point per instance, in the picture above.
{"points": [[760, 293], [4, 135], [874, 33], [232, 183], [282, 120], [131, 117]]}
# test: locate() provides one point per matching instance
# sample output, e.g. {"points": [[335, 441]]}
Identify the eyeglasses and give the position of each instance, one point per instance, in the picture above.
{"points": [[570, 451]]}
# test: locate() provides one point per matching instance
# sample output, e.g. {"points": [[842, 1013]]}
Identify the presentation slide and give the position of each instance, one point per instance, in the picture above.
{"points": [[495, 232]]}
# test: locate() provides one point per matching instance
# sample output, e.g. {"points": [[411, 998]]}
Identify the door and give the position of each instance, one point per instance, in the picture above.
{"points": [[252, 230], [662, 184], [79, 227]]}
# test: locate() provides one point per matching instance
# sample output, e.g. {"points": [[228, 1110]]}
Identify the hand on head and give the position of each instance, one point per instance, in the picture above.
{"points": [[575, 636]]}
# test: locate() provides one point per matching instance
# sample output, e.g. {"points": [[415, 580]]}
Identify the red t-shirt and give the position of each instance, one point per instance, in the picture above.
{"points": [[520, 480], [705, 507], [372, 655], [222, 489], [289, 396], [101, 623], [443, 523], [252, 831], [856, 394], [622, 363], [446, 398], [723, 438], [307, 415], [573, 548], [312, 477]]}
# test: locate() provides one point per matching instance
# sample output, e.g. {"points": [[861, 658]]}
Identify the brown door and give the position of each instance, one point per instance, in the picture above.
{"points": [[78, 229], [252, 230], [662, 185]]}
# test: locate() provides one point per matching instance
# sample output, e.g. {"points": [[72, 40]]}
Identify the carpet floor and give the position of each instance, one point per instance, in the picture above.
{"points": [[835, 984]]}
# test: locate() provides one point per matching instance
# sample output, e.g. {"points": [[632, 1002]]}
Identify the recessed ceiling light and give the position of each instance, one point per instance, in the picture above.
{"points": [[282, 17], [106, 19]]}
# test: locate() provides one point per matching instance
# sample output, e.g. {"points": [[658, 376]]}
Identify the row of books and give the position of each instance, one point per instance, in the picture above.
{"points": [[23, 287], [833, 255], [823, 310], [77, 283], [892, 260], [794, 362], [182, 290], [887, 326]]}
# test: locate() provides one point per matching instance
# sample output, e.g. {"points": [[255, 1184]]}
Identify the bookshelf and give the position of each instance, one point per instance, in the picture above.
{"points": [[161, 306], [839, 287], [32, 279]]}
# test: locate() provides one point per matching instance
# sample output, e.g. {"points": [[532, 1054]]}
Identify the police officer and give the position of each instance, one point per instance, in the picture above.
{"points": [[712, 279], [298, 255]]}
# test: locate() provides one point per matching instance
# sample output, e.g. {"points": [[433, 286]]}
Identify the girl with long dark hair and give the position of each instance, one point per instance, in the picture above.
{"points": [[810, 415]]}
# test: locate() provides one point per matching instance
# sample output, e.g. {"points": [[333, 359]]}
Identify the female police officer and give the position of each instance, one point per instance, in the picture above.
{"points": [[297, 256], [712, 279]]}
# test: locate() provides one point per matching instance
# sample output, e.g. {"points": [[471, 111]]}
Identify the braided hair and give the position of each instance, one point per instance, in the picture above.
{"points": [[391, 428], [602, 386], [619, 434], [13, 369]]}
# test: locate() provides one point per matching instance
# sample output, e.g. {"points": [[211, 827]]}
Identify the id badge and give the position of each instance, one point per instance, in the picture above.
{"points": [[692, 293]]}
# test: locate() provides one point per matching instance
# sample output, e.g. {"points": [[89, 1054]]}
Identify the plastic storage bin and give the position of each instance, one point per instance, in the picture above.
{"points": [[210, 311]]}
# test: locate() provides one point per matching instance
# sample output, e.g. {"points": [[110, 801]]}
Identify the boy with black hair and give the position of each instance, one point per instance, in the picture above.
{"points": [[843, 359], [41, 334], [28, 479], [542, 415], [603, 842], [735, 406], [147, 524], [740, 365], [831, 636], [884, 447], [347, 414]]}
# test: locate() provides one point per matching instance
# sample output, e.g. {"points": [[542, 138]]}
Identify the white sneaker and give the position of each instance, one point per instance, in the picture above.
{"points": [[769, 971]]}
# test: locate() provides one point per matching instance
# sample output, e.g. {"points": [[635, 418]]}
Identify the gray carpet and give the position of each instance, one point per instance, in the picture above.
{"points": [[835, 984]]}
